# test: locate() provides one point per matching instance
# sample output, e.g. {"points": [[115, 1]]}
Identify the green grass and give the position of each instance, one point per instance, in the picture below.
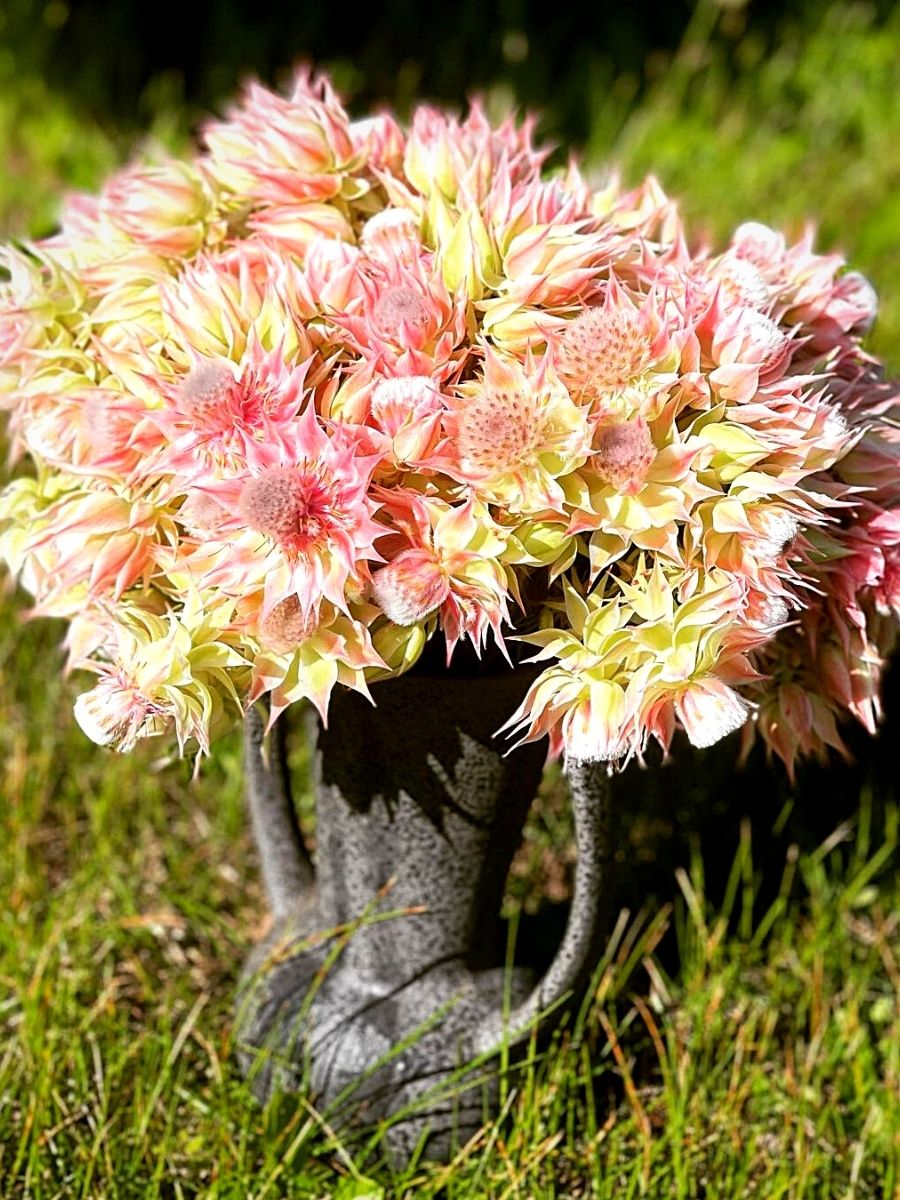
{"points": [[767, 1064], [743, 1035]]}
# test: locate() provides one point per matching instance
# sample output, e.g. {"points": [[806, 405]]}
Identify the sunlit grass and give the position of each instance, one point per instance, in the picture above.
{"points": [[768, 1063]]}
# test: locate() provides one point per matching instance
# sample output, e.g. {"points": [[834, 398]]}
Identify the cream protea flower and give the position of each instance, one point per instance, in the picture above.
{"points": [[305, 659], [159, 673], [289, 407], [218, 306], [629, 665], [41, 310], [164, 207], [516, 430], [452, 157], [617, 354], [632, 492]]}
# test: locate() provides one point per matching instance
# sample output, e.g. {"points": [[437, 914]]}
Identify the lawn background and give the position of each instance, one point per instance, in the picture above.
{"points": [[743, 1038]]}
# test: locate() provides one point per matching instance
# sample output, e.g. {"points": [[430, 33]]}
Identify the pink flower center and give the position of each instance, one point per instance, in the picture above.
{"points": [[602, 351], [206, 389], [396, 307], [410, 587], [289, 504], [286, 626], [741, 283], [624, 454], [497, 430]]}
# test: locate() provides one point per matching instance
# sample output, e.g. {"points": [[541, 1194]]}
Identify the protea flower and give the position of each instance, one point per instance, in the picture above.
{"points": [[276, 150], [616, 355], [219, 413], [301, 523], [516, 430]]}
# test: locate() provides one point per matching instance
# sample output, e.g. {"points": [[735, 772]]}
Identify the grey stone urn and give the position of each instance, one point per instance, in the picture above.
{"points": [[381, 990]]}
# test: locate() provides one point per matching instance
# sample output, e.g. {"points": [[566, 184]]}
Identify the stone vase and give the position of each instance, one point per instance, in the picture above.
{"points": [[382, 980]]}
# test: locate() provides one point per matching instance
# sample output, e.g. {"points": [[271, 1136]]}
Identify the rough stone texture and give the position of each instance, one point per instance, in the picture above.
{"points": [[418, 815]]}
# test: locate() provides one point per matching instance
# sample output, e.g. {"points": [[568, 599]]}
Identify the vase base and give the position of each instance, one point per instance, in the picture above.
{"points": [[370, 1049]]}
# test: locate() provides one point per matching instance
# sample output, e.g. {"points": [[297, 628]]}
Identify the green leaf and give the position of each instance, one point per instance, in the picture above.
{"points": [[359, 1189]]}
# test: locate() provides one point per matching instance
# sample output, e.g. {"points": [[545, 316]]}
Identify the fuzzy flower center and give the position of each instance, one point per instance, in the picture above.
{"points": [[775, 530], [286, 626], [602, 351], [742, 283], [290, 504], [624, 453], [206, 389], [396, 307], [498, 430]]}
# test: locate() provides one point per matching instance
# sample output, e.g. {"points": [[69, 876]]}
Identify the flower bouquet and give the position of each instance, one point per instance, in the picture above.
{"points": [[295, 405]]}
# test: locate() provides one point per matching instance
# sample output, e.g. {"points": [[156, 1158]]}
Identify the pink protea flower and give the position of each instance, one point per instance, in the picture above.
{"points": [[644, 496], [379, 142], [542, 273], [296, 229], [410, 410], [220, 412], [411, 586], [444, 559], [286, 626], [595, 729], [709, 710], [87, 430], [748, 349], [392, 236], [740, 282], [279, 150], [307, 521], [405, 321], [97, 543], [794, 720]]}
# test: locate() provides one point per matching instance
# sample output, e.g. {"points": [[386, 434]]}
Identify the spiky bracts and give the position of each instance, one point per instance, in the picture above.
{"points": [[328, 388]]}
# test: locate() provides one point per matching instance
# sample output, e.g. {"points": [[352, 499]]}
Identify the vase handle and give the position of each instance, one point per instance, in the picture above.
{"points": [[589, 789], [286, 867]]}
